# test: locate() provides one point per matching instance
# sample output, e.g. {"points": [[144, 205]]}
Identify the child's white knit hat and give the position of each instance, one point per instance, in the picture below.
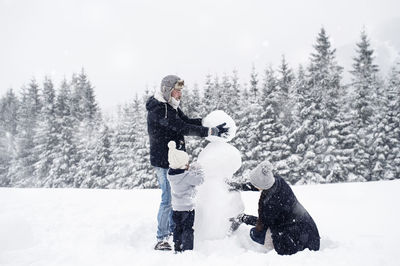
{"points": [[177, 159]]}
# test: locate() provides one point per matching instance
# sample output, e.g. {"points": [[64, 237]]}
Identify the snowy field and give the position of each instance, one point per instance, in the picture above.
{"points": [[358, 222]]}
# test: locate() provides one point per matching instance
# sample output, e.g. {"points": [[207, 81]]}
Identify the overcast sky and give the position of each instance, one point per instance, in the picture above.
{"points": [[125, 46]]}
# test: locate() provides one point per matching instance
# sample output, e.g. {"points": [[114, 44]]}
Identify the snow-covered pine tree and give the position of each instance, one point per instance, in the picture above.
{"points": [[285, 84], [300, 98], [286, 76], [193, 109], [124, 150], [225, 94], [217, 100], [63, 169], [253, 89], [90, 122], [318, 126], [234, 96], [275, 112], [84, 105], [269, 88], [269, 83], [145, 177], [274, 133], [346, 141], [47, 134], [364, 85], [191, 102], [147, 171], [102, 167], [9, 105], [273, 140], [248, 136], [390, 132], [196, 99], [380, 149], [21, 172], [209, 98]]}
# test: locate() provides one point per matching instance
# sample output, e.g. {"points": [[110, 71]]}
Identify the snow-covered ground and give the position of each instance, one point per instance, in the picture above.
{"points": [[358, 222]]}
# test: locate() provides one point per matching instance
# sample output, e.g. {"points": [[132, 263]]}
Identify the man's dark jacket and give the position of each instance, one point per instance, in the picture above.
{"points": [[292, 227], [164, 124]]}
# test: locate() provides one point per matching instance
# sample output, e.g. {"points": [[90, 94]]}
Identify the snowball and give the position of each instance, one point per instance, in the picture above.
{"points": [[216, 118], [220, 159]]}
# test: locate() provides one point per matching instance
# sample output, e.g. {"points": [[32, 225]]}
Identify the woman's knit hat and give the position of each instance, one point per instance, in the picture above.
{"points": [[168, 84], [262, 176], [177, 159]]}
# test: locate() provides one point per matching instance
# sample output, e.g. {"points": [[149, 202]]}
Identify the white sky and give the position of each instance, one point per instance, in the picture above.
{"points": [[128, 45]]}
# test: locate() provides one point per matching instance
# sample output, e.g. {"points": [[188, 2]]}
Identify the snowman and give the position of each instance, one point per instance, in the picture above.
{"points": [[215, 204]]}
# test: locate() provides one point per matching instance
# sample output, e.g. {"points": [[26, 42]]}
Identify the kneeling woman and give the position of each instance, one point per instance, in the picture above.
{"points": [[282, 224]]}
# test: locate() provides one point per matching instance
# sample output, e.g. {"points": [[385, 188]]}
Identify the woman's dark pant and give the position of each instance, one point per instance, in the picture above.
{"points": [[183, 233], [289, 240]]}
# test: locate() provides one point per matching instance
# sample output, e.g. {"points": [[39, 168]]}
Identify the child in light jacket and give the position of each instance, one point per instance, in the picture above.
{"points": [[183, 181]]}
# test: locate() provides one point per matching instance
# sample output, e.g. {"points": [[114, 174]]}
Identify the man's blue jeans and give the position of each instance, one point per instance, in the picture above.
{"points": [[165, 223]]}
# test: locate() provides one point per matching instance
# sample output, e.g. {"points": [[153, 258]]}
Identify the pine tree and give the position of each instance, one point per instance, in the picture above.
{"points": [[194, 109], [363, 81], [143, 173], [272, 132], [269, 89], [84, 106], [319, 114], [253, 90], [47, 133], [391, 133], [234, 96], [101, 167], [301, 102], [299, 98], [285, 83], [364, 84], [247, 134], [186, 101], [224, 95], [325, 75], [90, 122], [9, 105], [63, 168], [270, 82], [22, 171], [123, 154], [286, 76], [209, 103]]}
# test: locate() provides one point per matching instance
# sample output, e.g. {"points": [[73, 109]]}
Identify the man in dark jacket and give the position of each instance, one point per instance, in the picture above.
{"points": [[282, 223], [166, 122]]}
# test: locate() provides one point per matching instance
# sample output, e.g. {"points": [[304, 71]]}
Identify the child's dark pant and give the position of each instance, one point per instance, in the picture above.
{"points": [[183, 233]]}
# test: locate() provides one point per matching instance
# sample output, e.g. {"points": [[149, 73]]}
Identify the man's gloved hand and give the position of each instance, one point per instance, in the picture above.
{"points": [[219, 131]]}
